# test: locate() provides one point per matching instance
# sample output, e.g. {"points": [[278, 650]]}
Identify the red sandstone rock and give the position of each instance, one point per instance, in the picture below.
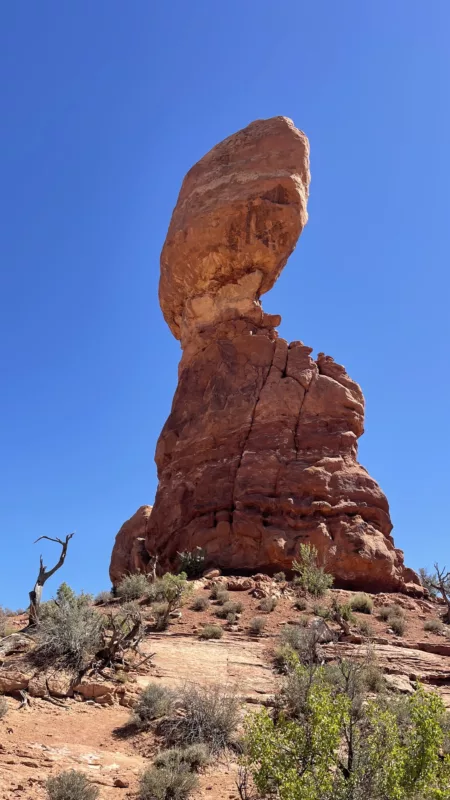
{"points": [[259, 452], [129, 553]]}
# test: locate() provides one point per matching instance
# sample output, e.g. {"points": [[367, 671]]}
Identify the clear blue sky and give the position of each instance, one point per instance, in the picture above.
{"points": [[104, 107]]}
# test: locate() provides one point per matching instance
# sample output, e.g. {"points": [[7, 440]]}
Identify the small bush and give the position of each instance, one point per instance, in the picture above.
{"points": [[71, 785], [390, 611], [200, 604], [192, 563], [3, 707], [70, 634], [362, 603], [167, 783], [5, 626], [303, 641], [321, 611], [209, 716], [365, 628], [300, 604], [222, 596], [154, 702], [103, 597], [279, 577], [215, 589], [433, 625], [195, 756], [310, 576], [398, 625], [257, 625], [231, 618], [285, 658], [211, 632], [133, 587], [230, 607], [161, 612], [268, 604]]}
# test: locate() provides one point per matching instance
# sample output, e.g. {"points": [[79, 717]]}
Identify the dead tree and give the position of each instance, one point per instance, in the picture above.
{"points": [[441, 583], [43, 576]]}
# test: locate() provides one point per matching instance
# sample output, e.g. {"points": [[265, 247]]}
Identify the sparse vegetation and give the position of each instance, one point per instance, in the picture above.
{"points": [[5, 626], [229, 607], [210, 715], [268, 604], [386, 612], [438, 583], [257, 625], [398, 625], [192, 563], [70, 634], [279, 577], [215, 589], [211, 632], [321, 611], [311, 577], [167, 783], [103, 598], [298, 644], [300, 604], [133, 587], [433, 626], [71, 785], [365, 628], [154, 702], [362, 603], [222, 596], [196, 756], [200, 604]]}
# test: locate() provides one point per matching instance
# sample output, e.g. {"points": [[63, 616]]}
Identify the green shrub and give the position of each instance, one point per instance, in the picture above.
{"points": [[103, 597], [133, 587], [200, 604], [285, 658], [300, 604], [310, 576], [231, 618], [161, 612], [304, 642], [230, 607], [216, 588], [362, 603], [394, 610], [70, 635], [365, 628], [433, 625], [398, 625], [3, 707], [321, 611], [71, 785], [329, 744], [211, 632], [167, 783], [268, 604], [257, 625], [195, 756], [192, 563], [209, 716], [279, 577], [155, 701], [222, 596]]}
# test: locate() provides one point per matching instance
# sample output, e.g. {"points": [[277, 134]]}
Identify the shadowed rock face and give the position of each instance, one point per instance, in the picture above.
{"points": [[259, 452]]}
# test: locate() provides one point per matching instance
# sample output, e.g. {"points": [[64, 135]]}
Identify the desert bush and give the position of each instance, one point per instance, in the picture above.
{"points": [[167, 783], [365, 627], [300, 604], [433, 625], [215, 589], [211, 632], [310, 576], [257, 625], [70, 635], [222, 596], [200, 604], [155, 701], [284, 658], [103, 597], [133, 587], [230, 607], [71, 785], [161, 613], [279, 577], [398, 625], [362, 603], [195, 756], [231, 618], [268, 604], [329, 743], [321, 611], [304, 642], [210, 715], [192, 563], [394, 610], [3, 707], [5, 626]]}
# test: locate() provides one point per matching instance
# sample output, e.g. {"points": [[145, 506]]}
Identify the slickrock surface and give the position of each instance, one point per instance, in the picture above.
{"points": [[259, 452]]}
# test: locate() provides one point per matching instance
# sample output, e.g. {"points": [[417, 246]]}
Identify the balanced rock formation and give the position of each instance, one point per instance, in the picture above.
{"points": [[259, 452]]}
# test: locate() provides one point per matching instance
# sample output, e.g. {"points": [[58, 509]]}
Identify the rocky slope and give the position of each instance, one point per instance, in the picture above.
{"points": [[259, 452]]}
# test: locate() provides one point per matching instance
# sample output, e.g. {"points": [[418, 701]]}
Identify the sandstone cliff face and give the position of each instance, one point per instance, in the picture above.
{"points": [[259, 452], [129, 553]]}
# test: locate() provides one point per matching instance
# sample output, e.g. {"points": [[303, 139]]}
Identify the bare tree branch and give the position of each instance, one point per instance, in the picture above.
{"points": [[44, 574]]}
